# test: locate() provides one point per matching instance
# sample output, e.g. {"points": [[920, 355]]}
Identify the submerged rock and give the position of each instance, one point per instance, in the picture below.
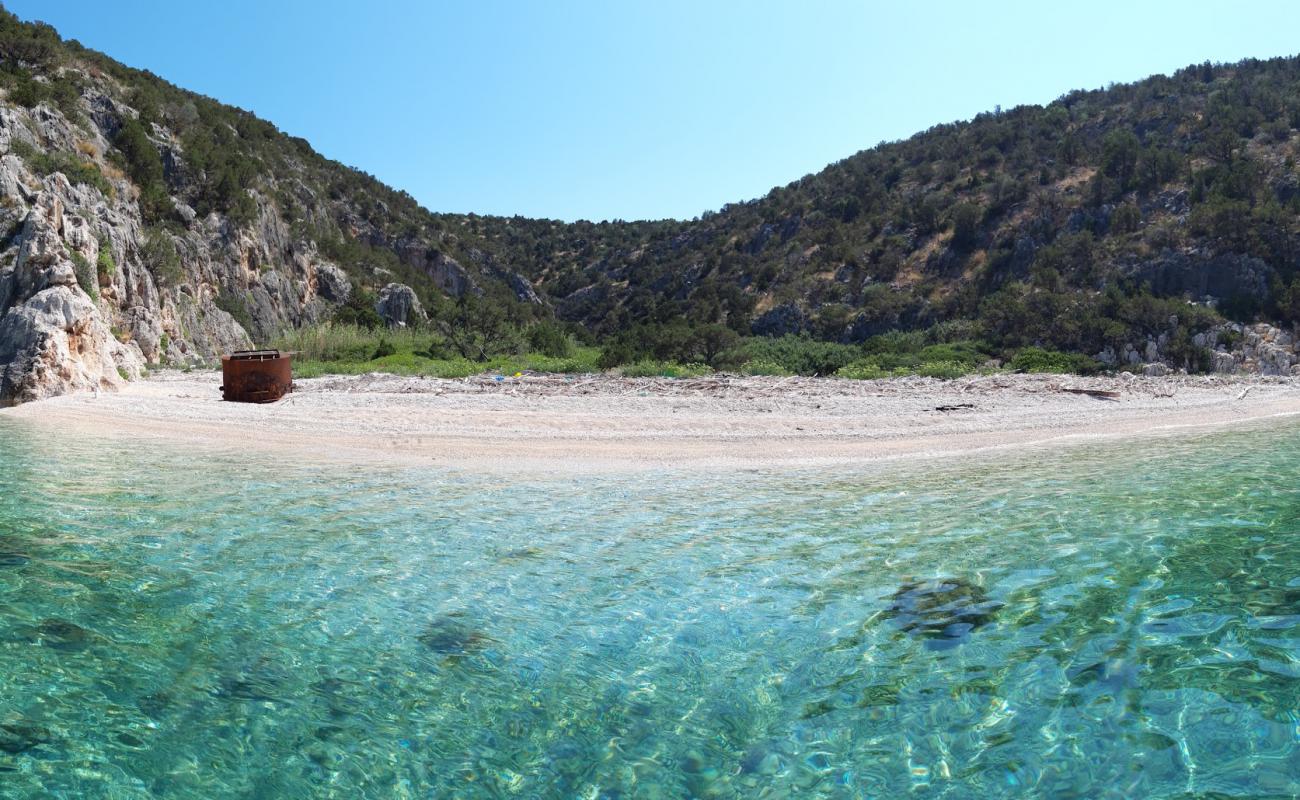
{"points": [[21, 736], [942, 610], [449, 636], [156, 705], [521, 554], [60, 634]]}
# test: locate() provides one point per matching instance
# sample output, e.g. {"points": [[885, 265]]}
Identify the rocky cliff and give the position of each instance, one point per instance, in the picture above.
{"points": [[90, 295], [104, 273]]}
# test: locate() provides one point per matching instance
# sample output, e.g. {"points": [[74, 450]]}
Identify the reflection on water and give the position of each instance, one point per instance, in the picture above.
{"points": [[1119, 621]]}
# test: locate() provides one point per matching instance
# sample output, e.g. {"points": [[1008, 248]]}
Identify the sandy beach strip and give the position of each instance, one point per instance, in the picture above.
{"points": [[601, 422]]}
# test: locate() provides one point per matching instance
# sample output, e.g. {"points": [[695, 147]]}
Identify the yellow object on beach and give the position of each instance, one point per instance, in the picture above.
{"points": [[519, 374]]}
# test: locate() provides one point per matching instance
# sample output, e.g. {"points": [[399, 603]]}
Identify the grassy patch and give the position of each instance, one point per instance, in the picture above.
{"points": [[664, 369]]}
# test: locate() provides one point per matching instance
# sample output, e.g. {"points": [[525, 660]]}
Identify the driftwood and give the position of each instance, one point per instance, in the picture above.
{"points": [[1101, 394], [954, 407]]}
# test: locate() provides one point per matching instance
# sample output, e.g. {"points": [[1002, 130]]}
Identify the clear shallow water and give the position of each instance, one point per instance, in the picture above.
{"points": [[1121, 621]]}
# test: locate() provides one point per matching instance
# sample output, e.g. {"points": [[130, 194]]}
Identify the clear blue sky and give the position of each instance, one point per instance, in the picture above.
{"points": [[619, 109]]}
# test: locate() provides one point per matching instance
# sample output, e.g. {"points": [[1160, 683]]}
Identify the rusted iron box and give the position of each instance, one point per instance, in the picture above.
{"points": [[256, 376]]}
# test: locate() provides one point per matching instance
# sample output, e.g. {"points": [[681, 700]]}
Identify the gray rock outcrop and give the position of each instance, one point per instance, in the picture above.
{"points": [[398, 306], [53, 338]]}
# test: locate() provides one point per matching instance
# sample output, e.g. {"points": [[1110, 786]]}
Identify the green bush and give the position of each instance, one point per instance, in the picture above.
{"points": [[896, 342], [801, 355], [161, 258], [760, 367], [943, 369], [712, 344], [86, 278], [1037, 359], [664, 369], [862, 371], [145, 167], [105, 266], [359, 312], [550, 338], [234, 305], [968, 354]]}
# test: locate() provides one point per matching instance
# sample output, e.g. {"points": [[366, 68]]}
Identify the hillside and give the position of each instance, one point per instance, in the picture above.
{"points": [[143, 224]]}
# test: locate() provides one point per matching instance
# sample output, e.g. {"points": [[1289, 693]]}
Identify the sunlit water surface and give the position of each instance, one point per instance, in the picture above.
{"points": [[1122, 620]]}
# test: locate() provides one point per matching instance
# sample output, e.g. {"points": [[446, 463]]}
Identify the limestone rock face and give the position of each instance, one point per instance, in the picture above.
{"points": [[53, 338], [398, 306], [92, 291]]}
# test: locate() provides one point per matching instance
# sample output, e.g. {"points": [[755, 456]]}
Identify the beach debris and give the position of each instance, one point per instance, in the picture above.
{"points": [[448, 636], [941, 610], [1101, 394], [954, 407], [760, 388]]}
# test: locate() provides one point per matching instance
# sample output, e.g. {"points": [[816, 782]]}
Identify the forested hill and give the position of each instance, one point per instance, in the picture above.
{"points": [[1108, 219]]}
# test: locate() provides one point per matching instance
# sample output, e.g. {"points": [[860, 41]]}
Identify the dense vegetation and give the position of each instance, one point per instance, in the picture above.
{"points": [[1156, 209]]}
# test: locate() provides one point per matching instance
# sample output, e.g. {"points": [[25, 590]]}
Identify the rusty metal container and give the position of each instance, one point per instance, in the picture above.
{"points": [[256, 376]]}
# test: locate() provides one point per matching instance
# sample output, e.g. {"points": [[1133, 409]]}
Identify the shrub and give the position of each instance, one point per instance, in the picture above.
{"points": [[760, 367], [145, 167], [967, 354], [1037, 359], [862, 371], [105, 266], [965, 225], [802, 355], [477, 328], [86, 277], [359, 311], [550, 338], [160, 257], [234, 305], [946, 370], [896, 342], [664, 369]]}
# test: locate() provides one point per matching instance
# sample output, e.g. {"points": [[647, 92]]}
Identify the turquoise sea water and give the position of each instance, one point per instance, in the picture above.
{"points": [[1120, 620]]}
